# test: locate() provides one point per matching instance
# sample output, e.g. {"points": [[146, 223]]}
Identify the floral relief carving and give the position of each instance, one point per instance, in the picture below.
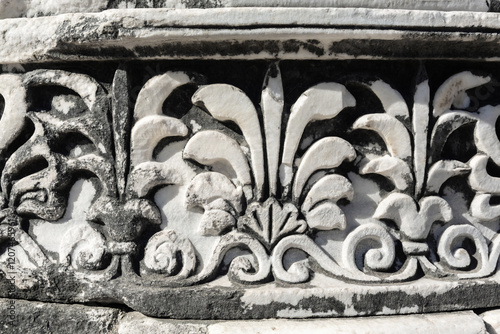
{"points": [[260, 187]]}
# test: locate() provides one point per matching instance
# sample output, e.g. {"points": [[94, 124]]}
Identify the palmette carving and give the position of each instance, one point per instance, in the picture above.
{"points": [[260, 188]]}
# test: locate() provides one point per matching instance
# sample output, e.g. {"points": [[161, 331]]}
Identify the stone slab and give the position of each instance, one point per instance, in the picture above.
{"points": [[36, 317], [30, 8], [251, 33]]}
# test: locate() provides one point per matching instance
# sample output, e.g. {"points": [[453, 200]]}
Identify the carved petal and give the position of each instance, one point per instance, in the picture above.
{"points": [[228, 103], [441, 171], [402, 209], [155, 91], [90, 128], [213, 147], [330, 187], [215, 222], [272, 103], [479, 178], [392, 131], [451, 88], [392, 101], [481, 208], [392, 168], [149, 175], [208, 187], [326, 153], [12, 119], [485, 132], [446, 124], [433, 208], [323, 101], [326, 216], [148, 131], [420, 130]]}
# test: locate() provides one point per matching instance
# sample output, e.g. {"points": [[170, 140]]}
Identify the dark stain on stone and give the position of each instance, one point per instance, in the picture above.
{"points": [[202, 3], [421, 46]]}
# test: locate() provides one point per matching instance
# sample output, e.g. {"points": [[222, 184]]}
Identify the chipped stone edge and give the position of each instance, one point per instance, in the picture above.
{"points": [[250, 33]]}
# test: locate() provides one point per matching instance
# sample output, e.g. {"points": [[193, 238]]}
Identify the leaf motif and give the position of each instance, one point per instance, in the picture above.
{"points": [[393, 102], [321, 102], [155, 92], [235, 106], [451, 88], [216, 222], [270, 221], [222, 153], [326, 153], [446, 124], [479, 178], [482, 209], [415, 224], [420, 129], [392, 131], [441, 171], [148, 132], [485, 134], [272, 104], [329, 188], [395, 169], [326, 216], [86, 87], [147, 176]]}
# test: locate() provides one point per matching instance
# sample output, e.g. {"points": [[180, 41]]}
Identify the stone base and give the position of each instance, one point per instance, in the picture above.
{"points": [[20, 316]]}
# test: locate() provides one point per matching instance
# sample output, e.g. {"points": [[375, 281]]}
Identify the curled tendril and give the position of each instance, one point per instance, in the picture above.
{"points": [[375, 259], [161, 254], [241, 269], [299, 272], [460, 258], [82, 248]]}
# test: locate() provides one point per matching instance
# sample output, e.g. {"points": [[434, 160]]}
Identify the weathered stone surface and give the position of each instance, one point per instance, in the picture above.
{"points": [[20, 316], [252, 33]]}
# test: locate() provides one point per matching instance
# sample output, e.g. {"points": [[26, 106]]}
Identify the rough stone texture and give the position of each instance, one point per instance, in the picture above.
{"points": [[20, 316]]}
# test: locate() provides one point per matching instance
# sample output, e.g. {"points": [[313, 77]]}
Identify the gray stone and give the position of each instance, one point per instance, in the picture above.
{"points": [[21, 316]]}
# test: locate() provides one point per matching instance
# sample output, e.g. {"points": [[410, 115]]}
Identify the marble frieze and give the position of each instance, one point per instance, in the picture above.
{"points": [[283, 179]]}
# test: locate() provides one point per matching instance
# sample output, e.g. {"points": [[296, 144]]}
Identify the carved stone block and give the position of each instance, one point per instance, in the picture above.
{"points": [[215, 188]]}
